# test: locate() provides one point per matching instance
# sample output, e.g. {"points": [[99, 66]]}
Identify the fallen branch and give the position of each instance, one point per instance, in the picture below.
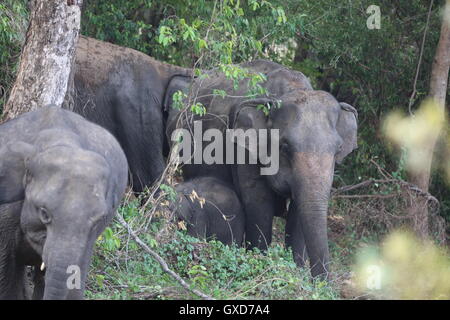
{"points": [[419, 192], [365, 183], [358, 196], [388, 178], [161, 261]]}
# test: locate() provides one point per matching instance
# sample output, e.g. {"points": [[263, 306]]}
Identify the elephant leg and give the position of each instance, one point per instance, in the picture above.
{"points": [[294, 236], [145, 158], [259, 204], [11, 270], [198, 226], [139, 128], [39, 283], [12, 276], [144, 173], [27, 284]]}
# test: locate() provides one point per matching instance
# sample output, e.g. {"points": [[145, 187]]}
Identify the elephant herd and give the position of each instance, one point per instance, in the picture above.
{"points": [[63, 173]]}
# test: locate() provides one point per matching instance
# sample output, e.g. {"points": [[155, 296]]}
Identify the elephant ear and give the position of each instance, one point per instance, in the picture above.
{"points": [[13, 159], [27, 152], [347, 127], [176, 83], [246, 115]]}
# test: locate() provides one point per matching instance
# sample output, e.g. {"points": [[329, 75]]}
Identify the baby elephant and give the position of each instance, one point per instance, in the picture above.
{"points": [[210, 209], [61, 181]]}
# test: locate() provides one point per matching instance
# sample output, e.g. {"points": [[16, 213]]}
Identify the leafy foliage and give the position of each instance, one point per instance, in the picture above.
{"points": [[119, 21], [224, 272], [13, 24], [326, 40], [371, 69]]}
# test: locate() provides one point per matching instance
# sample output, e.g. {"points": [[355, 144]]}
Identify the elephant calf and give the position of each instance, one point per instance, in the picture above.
{"points": [[211, 209], [61, 181]]}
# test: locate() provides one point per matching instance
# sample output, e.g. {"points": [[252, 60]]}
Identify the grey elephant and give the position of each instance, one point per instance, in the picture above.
{"points": [[211, 209], [123, 91], [314, 132], [61, 180]]}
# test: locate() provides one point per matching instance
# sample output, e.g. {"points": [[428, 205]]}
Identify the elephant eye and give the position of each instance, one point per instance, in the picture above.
{"points": [[340, 146], [44, 215], [284, 146]]}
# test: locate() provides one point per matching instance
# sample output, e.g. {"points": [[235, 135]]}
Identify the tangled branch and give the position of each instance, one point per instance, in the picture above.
{"points": [[336, 193], [386, 205]]}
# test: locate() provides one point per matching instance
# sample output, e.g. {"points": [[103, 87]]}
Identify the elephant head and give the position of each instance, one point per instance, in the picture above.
{"points": [[65, 208], [315, 131]]}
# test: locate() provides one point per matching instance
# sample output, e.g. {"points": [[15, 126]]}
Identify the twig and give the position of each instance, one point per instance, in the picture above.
{"points": [[378, 196], [161, 261], [365, 183], [383, 172], [388, 179], [411, 187]]}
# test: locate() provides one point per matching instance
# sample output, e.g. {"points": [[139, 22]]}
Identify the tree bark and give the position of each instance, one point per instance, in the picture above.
{"points": [[47, 56], [438, 92]]}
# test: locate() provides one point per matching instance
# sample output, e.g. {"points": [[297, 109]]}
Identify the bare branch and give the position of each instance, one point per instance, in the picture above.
{"points": [[161, 261]]}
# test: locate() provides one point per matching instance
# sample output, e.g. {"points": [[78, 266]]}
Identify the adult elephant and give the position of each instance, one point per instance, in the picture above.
{"points": [[314, 132], [61, 181], [122, 90]]}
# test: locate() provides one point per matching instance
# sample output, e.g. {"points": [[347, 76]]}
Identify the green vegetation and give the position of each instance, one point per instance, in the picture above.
{"points": [[122, 270], [329, 42], [13, 24]]}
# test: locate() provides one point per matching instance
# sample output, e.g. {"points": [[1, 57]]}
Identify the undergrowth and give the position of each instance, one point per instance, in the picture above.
{"points": [[122, 270]]}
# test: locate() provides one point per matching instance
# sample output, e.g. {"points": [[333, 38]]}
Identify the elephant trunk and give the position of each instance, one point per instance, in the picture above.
{"points": [[66, 270], [312, 179]]}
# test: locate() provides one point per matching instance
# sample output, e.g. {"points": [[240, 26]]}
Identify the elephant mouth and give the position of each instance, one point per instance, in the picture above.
{"points": [[279, 186], [36, 241]]}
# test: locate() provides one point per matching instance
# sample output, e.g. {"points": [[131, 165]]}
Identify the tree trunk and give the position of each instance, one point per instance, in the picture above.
{"points": [[47, 56], [438, 91]]}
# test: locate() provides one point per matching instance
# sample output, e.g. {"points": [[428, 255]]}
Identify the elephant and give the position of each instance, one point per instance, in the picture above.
{"points": [[123, 90], [211, 209], [61, 181], [308, 131]]}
